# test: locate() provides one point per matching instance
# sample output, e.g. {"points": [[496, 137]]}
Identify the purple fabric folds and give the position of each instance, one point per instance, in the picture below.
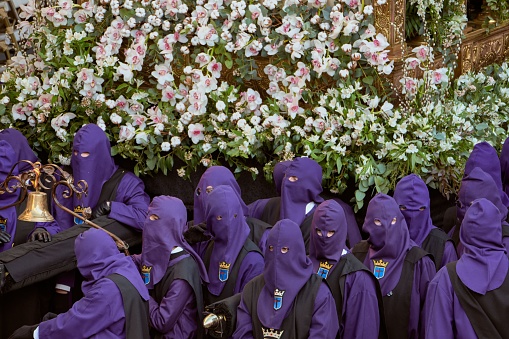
{"points": [[412, 196], [286, 271], [388, 238], [163, 230], [22, 149], [228, 227], [484, 263], [97, 256], [96, 167], [8, 216], [486, 158], [214, 176], [301, 185], [328, 218]]}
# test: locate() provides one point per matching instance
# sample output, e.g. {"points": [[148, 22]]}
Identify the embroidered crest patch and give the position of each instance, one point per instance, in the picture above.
{"points": [[324, 269], [78, 210], [224, 270], [145, 273], [3, 224], [379, 270], [278, 299]]}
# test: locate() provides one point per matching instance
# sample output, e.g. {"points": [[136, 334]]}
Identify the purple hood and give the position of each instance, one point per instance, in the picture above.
{"points": [[97, 167], [478, 184], [388, 238], [286, 271], [214, 176], [412, 196], [328, 217], [279, 174], [485, 157], [302, 184], [228, 227], [483, 266], [21, 147], [164, 233], [98, 256]]}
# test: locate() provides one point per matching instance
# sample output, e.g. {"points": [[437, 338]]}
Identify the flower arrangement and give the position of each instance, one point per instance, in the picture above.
{"points": [[499, 9], [213, 81]]}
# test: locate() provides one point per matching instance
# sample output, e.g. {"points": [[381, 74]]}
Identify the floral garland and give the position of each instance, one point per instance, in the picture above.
{"points": [[499, 9], [213, 81]]}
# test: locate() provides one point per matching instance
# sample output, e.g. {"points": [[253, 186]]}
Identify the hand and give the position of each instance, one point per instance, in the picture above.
{"points": [[24, 332], [102, 209], [4, 237], [40, 234], [196, 233]]}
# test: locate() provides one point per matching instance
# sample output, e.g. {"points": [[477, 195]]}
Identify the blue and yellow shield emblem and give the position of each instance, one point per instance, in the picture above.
{"points": [[224, 270], [3, 224], [145, 274], [278, 299], [324, 269], [78, 210], [379, 269]]}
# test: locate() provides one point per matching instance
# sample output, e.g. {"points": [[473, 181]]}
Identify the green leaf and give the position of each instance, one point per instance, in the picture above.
{"points": [[359, 196], [368, 80], [228, 64]]}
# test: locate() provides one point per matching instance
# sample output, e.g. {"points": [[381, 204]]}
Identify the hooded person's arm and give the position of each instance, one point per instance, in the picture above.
{"points": [[244, 329], [324, 323], [438, 308], [360, 306], [425, 271], [164, 316], [252, 266], [89, 316], [131, 203], [450, 254]]}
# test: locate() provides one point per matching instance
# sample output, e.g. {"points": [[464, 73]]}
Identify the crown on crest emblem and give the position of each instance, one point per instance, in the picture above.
{"points": [[145, 272], [380, 263], [279, 293], [326, 265], [79, 209], [224, 265], [271, 333]]}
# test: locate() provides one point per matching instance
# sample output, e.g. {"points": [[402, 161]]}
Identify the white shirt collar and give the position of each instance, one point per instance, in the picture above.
{"points": [[310, 206], [177, 250]]}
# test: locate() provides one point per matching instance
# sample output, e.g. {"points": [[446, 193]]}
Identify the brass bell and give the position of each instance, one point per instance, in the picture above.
{"points": [[37, 208], [212, 321]]}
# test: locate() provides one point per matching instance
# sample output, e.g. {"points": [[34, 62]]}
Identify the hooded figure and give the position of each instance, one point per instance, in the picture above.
{"points": [[355, 289], [123, 199], [172, 271], [300, 194], [486, 158], [256, 208], [14, 147], [468, 299], [231, 258], [412, 196], [477, 184], [402, 268], [210, 179], [100, 313], [288, 299]]}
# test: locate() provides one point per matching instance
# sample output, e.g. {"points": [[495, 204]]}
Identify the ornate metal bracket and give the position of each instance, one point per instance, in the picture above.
{"points": [[53, 177]]}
